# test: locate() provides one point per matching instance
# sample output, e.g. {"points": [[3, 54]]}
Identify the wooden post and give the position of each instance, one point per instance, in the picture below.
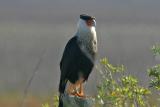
{"points": [[74, 101]]}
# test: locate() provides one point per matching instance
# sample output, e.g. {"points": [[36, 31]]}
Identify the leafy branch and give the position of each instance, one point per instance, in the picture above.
{"points": [[122, 91]]}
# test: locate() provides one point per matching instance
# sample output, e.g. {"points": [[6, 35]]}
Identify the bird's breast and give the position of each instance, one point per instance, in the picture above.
{"points": [[88, 45]]}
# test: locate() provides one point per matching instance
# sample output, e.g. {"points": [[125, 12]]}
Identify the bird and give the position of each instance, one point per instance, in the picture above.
{"points": [[78, 58]]}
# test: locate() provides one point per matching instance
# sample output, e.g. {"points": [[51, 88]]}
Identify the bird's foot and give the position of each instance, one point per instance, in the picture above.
{"points": [[81, 95], [78, 94]]}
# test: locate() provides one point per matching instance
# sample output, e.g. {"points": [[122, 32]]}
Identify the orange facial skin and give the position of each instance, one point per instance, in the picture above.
{"points": [[90, 23]]}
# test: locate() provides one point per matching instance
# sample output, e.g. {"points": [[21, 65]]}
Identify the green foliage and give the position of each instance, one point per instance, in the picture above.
{"points": [[55, 102], [154, 72], [123, 91], [156, 49], [45, 105]]}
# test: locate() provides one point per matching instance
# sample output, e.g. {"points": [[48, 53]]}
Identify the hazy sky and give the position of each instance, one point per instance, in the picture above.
{"points": [[68, 10]]}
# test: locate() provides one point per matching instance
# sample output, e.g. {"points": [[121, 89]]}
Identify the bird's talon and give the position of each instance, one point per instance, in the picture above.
{"points": [[80, 95]]}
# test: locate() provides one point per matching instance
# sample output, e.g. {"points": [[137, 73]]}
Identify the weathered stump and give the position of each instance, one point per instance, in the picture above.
{"points": [[74, 101]]}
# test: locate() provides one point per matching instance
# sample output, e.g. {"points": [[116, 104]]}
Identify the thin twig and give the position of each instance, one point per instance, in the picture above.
{"points": [[35, 70]]}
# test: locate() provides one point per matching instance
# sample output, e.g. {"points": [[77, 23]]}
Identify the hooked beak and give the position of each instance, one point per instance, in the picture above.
{"points": [[91, 23]]}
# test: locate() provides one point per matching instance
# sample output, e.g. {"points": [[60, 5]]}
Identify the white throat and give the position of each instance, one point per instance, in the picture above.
{"points": [[87, 37]]}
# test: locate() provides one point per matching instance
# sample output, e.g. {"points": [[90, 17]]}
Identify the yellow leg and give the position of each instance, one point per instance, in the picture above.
{"points": [[81, 91], [71, 88], [76, 89]]}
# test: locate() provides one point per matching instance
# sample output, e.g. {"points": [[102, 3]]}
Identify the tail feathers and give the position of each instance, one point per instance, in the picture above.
{"points": [[62, 86], [60, 101]]}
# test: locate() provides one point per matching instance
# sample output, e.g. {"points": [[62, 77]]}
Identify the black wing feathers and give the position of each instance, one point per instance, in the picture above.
{"points": [[74, 62]]}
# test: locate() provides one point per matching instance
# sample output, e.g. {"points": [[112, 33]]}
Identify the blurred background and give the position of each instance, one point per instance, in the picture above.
{"points": [[33, 34]]}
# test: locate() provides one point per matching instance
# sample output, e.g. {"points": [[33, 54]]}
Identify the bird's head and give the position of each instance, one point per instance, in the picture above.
{"points": [[86, 22]]}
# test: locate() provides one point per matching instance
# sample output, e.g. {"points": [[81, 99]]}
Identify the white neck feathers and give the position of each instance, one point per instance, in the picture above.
{"points": [[87, 37]]}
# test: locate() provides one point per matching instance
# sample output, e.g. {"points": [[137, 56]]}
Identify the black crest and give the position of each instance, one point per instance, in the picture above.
{"points": [[86, 17]]}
